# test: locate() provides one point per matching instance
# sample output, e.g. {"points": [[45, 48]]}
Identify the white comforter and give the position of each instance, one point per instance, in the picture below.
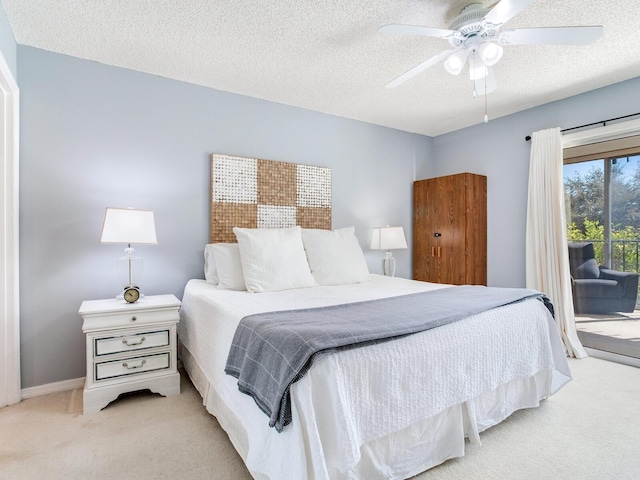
{"points": [[389, 410]]}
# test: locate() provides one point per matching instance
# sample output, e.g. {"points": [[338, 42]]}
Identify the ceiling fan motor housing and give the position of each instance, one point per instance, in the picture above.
{"points": [[470, 18], [470, 24]]}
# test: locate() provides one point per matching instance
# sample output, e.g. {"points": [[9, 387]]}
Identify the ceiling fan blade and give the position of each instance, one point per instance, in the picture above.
{"points": [[551, 36], [419, 69], [490, 84], [416, 30], [505, 11]]}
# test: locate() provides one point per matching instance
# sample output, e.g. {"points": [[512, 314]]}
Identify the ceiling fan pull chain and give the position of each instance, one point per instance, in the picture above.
{"points": [[486, 117], [473, 59]]}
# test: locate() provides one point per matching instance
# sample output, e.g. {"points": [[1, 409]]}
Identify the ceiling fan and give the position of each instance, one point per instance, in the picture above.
{"points": [[475, 37]]}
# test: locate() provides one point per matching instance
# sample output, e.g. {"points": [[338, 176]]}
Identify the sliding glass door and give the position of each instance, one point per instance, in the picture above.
{"points": [[602, 201]]}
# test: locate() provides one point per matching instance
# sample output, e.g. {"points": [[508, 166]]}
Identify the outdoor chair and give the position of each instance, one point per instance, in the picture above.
{"points": [[597, 289]]}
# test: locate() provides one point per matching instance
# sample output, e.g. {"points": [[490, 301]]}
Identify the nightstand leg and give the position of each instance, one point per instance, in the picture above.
{"points": [[97, 398]]}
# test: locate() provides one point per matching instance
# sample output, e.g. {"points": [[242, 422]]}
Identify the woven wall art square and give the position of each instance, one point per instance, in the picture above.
{"points": [[254, 193]]}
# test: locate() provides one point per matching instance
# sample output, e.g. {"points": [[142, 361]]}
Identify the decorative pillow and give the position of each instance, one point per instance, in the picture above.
{"points": [[273, 259], [335, 257], [588, 269], [229, 266], [210, 270]]}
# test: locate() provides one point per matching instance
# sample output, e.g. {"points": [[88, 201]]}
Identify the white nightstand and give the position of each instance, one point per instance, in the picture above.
{"points": [[130, 346]]}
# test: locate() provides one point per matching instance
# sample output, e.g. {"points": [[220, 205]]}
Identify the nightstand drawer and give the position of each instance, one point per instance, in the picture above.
{"points": [[135, 365], [131, 318], [126, 343]]}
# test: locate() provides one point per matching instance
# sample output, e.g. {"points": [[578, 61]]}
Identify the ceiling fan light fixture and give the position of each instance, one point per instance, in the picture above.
{"points": [[490, 53], [455, 62]]}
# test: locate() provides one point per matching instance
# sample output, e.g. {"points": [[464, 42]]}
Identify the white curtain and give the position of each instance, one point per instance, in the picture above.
{"points": [[546, 238]]}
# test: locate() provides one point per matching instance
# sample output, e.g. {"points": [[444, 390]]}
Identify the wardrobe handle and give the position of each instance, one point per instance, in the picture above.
{"points": [[439, 251], [433, 251]]}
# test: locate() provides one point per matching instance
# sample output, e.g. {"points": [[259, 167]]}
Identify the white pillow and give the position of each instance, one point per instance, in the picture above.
{"points": [[335, 257], [273, 259], [229, 266], [210, 270]]}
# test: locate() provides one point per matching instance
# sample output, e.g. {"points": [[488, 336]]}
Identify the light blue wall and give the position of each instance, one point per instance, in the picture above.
{"points": [[424, 157], [498, 150], [94, 136], [8, 45]]}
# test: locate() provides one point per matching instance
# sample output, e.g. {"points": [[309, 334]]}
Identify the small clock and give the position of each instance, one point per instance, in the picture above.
{"points": [[131, 294]]}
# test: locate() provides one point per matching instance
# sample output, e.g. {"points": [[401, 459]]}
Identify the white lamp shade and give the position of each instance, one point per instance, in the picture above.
{"points": [[490, 53], [455, 63], [388, 238], [127, 225]]}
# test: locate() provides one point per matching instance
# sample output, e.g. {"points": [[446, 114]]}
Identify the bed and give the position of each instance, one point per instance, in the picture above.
{"points": [[386, 410], [441, 385]]}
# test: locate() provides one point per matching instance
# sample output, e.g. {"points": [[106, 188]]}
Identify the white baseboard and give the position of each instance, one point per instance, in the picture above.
{"points": [[62, 386], [613, 357], [52, 388]]}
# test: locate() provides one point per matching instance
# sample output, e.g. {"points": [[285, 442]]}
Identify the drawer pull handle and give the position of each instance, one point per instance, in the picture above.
{"points": [[126, 342], [126, 365], [133, 319]]}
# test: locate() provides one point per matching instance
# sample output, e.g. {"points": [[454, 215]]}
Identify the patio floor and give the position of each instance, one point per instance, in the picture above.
{"points": [[615, 332]]}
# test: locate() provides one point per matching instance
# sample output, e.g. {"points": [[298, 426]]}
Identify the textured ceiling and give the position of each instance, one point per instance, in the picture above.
{"points": [[328, 55]]}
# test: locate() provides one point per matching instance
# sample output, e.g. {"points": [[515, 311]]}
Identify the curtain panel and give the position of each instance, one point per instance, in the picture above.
{"points": [[547, 257]]}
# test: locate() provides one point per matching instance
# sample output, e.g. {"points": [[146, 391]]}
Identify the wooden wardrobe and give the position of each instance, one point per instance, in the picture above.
{"points": [[450, 229]]}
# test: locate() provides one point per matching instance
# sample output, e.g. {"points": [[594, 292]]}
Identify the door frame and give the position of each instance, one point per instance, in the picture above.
{"points": [[601, 134], [9, 260]]}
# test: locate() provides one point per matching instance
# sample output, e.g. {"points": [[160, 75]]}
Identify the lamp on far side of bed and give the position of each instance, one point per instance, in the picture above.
{"points": [[388, 238], [128, 225]]}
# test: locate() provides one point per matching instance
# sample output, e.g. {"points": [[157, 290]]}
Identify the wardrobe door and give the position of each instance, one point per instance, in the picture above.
{"points": [[425, 224], [476, 230], [451, 231]]}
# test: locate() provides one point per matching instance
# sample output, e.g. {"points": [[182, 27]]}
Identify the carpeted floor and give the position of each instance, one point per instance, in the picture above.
{"points": [[588, 430]]}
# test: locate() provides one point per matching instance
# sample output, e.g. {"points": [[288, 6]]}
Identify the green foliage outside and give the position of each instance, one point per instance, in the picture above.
{"points": [[584, 199], [625, 243]]}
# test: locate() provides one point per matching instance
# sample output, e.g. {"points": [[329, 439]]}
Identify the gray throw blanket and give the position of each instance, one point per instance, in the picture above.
{"points": [[270, 351]]}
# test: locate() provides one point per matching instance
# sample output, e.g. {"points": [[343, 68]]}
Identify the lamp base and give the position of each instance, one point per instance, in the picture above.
{"points": [[131, 292], [389, 265]]}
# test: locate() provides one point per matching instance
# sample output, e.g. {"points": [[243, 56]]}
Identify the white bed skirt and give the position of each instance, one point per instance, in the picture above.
{"points": [[403, 454]]}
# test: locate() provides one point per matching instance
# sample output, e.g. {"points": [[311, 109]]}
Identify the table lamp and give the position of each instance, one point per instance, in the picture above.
{"points": [[388, 238], [129, 226]]}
